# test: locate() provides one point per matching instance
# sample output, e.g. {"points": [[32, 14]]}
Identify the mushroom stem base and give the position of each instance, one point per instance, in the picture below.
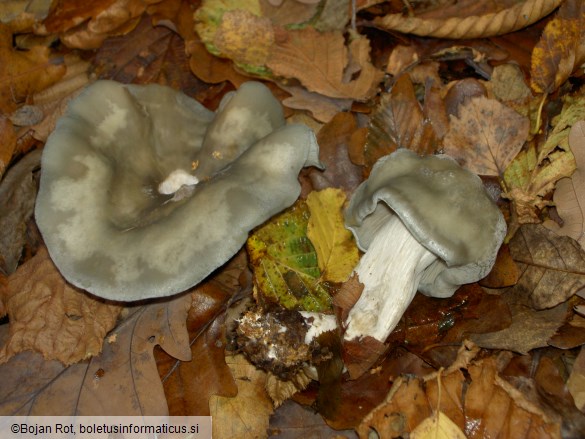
{"points": [[390, 270]]}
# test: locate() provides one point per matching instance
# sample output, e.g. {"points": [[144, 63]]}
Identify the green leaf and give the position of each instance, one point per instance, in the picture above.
{"points": [[284, 263]]}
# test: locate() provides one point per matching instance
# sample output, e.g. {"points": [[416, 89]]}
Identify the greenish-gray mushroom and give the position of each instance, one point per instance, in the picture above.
{"points": [[144, 192], [426, 224]]}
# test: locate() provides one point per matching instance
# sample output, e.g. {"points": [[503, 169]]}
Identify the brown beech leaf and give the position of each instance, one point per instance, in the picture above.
{"points": [[569, 196], [576, 381], [486, 136], [466, 25], [17, 198], [334, 138], [122, 381], [49, 316], [560, 49], [52, 101], [84, 27], [398, 122], [319, 60], [7, 143], [552, 267], [530, 329], [188, 385], [23, 73], [479, 402], [237, 416], [290, 419], [321, 107]]}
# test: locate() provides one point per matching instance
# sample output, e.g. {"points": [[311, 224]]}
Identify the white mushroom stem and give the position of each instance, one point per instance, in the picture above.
{"points": [[390, 271], [175, 181], [318, 324]]}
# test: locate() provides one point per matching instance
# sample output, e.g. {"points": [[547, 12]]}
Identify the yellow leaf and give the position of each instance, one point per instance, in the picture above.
{"points": [[337, 252], [437, 426]]}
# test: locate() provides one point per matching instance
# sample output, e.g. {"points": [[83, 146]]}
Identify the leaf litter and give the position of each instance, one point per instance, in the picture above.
{"points": [[66, 353]]}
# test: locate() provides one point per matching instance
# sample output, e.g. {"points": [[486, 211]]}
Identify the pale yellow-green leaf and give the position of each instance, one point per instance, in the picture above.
{"points": [[337, 253], [437, 426]]}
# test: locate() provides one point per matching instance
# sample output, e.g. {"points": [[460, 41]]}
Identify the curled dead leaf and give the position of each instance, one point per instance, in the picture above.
{"points": [[319, 61], [50, 316], [504, 21]]}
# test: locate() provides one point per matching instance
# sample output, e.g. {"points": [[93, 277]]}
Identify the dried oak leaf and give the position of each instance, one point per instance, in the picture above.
{"points": [[247, 414], [18, 191], [122, 381], [560, 49], [23, 73], [320, 61], [399, 122], [465, 25], [486, 136], [321, 107], [569, 196], [49, 316], [470, 393]]}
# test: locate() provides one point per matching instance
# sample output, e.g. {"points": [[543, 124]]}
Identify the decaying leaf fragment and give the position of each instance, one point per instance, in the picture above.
{"points": [[507, 20], [486, 136], [570, 192], [23, 73], [480, 403], [560, 49], [49, 316], [399, 122], [532, 174], [237, 417], [337, 253], [17, 198], [122, 381], [552, 266], [319, 61], [285, 264]]}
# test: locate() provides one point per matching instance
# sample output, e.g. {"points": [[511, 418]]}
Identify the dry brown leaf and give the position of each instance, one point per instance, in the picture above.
{"points": [[333, 139], [188, 385], [504, 21], [319, 61], [486, 136], [49, 316], [23, 73], [530, 329], [552, 267], [398, 122], [321, 107], [7, 143], [570, 192], [237, 416], [52, 102], [560, 49], [17, 198], [576, 381], [86, 26], [489, 406], [122, 381]]}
